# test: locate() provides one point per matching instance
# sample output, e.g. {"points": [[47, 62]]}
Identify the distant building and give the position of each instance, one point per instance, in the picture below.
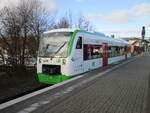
{"points": [[137, 45]]}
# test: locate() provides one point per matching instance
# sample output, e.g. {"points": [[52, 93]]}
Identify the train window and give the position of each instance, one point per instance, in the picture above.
{"points": [[92, 51], [79, 43], [122, 50], [96, 53], [116, 51], [113, 51]]}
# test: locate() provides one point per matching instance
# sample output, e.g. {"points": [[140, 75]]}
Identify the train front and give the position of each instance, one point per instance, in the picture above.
{"points": [[52, 57]]}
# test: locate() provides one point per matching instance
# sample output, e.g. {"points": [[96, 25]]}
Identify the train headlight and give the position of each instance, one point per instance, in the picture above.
{"points": [[64, 61]]}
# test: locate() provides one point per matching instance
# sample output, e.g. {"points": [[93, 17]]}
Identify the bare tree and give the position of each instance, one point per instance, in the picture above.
{"points": [[9, 31], [35, 20], [41, 20], [24, 12], [70, 18], [84, 24], [17, 23], [65, 21]]}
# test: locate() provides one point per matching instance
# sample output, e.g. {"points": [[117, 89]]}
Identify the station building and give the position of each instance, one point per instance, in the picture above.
{"points": [[138, 46]]}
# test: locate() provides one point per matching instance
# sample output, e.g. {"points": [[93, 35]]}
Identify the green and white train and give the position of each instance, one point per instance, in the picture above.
{"points": [[65, 53]]}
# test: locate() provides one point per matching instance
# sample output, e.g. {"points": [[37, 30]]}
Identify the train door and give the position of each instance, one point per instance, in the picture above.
{"points": [[78, 56], [105, 54]]}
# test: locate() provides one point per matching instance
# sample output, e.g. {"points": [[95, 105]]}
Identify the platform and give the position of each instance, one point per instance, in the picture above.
{"points": [[120, 88]]}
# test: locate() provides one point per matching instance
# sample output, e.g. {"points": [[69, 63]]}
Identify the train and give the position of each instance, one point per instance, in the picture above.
{"points": [[66, 53]]}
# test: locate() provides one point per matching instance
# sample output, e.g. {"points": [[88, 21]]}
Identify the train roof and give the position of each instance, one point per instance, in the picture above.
{"points": [[101, 35], [73, 30], [61, 30]]}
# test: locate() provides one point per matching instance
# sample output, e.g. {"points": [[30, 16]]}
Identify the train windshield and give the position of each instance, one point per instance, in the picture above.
{"points": [[54, 44]]}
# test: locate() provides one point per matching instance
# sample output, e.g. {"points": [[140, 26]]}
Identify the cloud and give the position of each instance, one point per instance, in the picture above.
{"points": [[78, 0], [119, 17], [50, 5], [81, 1], [4, 3], [147, 23], [94, 17], [132, 14], [122, 32], [143, 9]]}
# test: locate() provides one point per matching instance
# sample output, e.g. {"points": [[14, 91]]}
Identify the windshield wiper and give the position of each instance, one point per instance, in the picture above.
{"points": [[60, 47], [46, 48]]}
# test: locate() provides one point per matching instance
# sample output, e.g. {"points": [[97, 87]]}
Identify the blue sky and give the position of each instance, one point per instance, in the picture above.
{"points": [[120, 17], [123, 18]]}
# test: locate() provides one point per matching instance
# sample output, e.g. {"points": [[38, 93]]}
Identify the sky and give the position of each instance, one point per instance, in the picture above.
{"points": [[123, 18]]}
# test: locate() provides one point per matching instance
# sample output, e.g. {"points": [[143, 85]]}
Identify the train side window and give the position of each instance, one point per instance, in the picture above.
{"points": [[79, 43], [92, 51], [110, 51]]}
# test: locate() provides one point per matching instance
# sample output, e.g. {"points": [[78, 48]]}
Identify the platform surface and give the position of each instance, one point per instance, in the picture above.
{"points": [[122, 90]]}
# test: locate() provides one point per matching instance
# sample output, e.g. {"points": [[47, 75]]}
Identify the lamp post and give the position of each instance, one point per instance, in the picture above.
{"points": [[143, 36], [143, 33]]}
